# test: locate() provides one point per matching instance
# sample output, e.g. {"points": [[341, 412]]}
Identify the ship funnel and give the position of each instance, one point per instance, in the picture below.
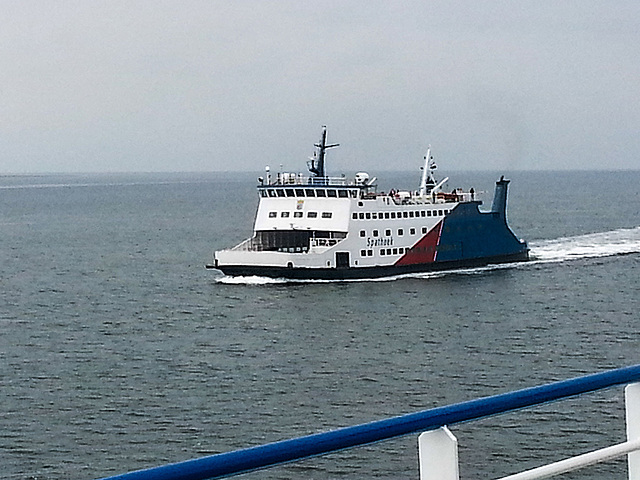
{"points": [[500, 198]]}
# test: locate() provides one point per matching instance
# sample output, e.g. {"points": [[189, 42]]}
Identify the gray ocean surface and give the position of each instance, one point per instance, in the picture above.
{"points": [[120, 351]]}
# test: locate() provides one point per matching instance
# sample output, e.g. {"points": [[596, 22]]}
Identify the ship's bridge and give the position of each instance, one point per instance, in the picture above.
{"points": [[306, 209], [308, 191], [288, 185]]}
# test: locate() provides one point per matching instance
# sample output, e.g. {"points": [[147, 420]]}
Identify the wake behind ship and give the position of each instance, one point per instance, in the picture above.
{"points": [[319, 227]]}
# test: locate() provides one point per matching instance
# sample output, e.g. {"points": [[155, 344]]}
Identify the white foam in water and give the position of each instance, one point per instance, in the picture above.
{"points": [[616, 242], [249, 280]]}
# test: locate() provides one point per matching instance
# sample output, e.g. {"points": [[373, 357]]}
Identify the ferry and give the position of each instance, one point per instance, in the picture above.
{"points": [[312, 226]]}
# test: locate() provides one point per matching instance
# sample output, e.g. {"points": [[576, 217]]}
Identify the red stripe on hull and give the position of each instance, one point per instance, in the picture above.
{"points": [[425, 250]]}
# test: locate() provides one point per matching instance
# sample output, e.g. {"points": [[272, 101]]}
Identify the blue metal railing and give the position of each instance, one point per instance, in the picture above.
{"points": [[254, 458]]}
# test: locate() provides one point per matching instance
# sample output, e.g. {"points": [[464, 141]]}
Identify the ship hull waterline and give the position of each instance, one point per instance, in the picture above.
{"points": [[379, 271]]}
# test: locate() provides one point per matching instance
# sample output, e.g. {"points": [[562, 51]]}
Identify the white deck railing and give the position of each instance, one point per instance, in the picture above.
{"points": [[438, 448]]}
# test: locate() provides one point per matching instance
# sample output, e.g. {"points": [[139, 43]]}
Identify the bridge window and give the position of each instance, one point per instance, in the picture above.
{"points": [[343, 194], [321, 192], [272, 193], [312, 214], [280, 192], [353, 193], [331, 193], [263, 193], [327, 214], [299, 192], [310, 192], [289, 192]]}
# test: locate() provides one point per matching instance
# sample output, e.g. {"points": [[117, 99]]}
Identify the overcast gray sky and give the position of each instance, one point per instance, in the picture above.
{"points": [[93, 86]]}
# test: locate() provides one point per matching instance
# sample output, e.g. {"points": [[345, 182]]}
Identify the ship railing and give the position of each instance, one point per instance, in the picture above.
{"points": [[255, 245], [413, 198], [301, 179], [436, 445]]}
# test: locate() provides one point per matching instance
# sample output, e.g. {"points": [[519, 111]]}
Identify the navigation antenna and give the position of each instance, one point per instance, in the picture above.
{"points": [[316, 163]]}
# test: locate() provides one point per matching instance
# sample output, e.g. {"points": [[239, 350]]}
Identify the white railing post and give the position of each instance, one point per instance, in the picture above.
{"points": [[438, 450], [632, 403]]}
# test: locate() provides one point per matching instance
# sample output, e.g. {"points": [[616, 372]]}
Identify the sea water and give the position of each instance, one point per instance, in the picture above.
{"points": [[120, 351]]}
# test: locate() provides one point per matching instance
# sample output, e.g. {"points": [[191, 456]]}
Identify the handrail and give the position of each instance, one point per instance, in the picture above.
{"points": [[253, 458], [310, 181], [579, 461]]}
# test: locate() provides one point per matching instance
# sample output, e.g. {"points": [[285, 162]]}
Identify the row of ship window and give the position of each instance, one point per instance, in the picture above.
{"points": [[368, 215], [393, 215], [402, 250], [384, 251], [300, 214], [308, 192], [388, 233]]}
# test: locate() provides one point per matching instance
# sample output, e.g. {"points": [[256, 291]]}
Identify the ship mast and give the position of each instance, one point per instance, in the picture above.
{"points": [[427, 182], [316, 165]]}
